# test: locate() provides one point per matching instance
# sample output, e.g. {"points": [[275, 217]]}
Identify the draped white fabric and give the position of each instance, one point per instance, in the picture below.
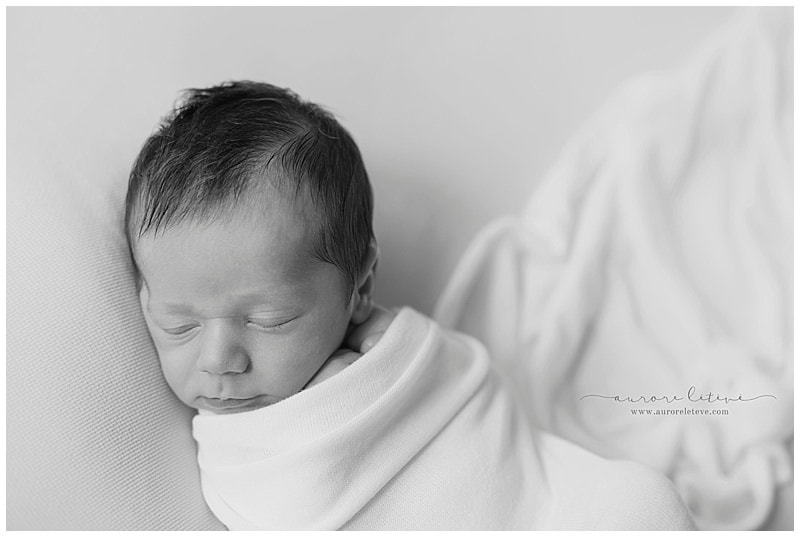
{"points": [[656, 255]]}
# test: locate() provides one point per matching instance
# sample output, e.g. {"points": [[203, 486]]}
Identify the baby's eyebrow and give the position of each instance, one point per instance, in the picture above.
{"points": [[254, 304], [168, 308]]}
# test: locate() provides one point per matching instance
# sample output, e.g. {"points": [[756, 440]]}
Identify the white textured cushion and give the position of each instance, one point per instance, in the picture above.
{"points": [[95, 439]]}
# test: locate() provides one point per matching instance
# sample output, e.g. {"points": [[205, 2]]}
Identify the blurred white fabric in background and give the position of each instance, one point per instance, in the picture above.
{"points": [[654, 256]]}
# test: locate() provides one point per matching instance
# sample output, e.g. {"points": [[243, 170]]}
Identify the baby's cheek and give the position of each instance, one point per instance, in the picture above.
{"points": [[305, 371], [177, 371], [315, 353]]}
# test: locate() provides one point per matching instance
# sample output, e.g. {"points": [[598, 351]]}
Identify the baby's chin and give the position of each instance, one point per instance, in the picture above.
{"points": [[234, 406]]}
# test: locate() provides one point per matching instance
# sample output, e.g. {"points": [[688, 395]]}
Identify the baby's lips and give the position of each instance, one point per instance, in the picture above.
{"points": [[218, 404]]}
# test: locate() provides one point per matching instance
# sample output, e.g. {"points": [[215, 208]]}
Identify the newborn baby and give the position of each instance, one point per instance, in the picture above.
{"points": [[249, 216]]}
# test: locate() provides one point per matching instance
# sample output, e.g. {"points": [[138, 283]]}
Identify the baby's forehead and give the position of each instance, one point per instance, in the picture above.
{"points": [[276, 215], [231, 248], [253, 213], [272, 191], [261, 196]]}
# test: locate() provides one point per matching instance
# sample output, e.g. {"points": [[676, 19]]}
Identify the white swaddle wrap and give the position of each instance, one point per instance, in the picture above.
{"points": [[419, 433]]}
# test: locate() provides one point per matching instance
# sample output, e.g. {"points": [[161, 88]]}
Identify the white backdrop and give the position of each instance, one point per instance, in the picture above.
{"points": [[458, 111]]}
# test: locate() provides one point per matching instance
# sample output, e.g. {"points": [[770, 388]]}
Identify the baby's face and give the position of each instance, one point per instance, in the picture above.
{"points": [[240, 312]]}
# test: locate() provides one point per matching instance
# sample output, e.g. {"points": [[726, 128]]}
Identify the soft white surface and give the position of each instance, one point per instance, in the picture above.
{"points": [[419, 434], [656, 255], [94, 438]]}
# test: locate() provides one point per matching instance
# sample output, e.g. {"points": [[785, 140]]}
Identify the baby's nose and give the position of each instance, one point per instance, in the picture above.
{"points": [[222, 352]]}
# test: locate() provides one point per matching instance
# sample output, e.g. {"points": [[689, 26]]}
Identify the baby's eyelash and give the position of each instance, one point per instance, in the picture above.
{"points": [[263, 324], [180, 330]]}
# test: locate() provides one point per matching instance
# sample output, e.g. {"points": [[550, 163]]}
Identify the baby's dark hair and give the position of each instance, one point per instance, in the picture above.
{"points": [[222, 141]]}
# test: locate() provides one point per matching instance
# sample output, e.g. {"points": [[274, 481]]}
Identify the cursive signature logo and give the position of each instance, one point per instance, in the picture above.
{"points": [[692, 396]]}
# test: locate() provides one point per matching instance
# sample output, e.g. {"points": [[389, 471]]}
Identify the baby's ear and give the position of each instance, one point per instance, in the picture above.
{"points": [[362, 294]]}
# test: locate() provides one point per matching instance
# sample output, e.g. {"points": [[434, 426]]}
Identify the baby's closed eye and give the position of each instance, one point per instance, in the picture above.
{"points": [[268, 325], [181, 329]]}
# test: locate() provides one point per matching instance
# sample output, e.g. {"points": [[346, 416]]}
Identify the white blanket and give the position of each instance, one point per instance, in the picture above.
{"points": [[419, 433], [655, 256]]}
